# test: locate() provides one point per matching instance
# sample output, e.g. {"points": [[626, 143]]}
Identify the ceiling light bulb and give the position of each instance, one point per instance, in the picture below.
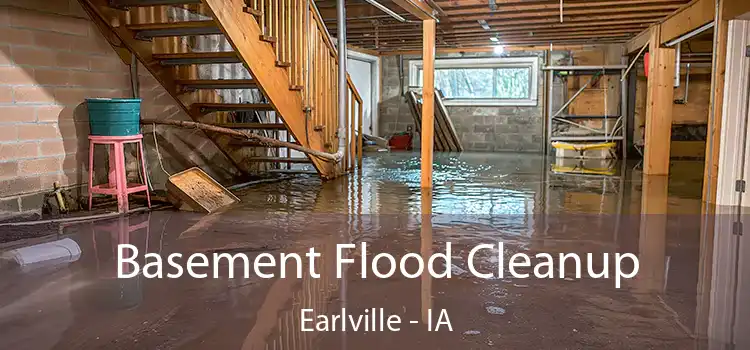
{"points": [[498, 50]]}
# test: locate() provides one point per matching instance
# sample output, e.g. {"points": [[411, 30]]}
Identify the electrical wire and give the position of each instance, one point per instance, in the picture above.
{"points": [[158, 154]]}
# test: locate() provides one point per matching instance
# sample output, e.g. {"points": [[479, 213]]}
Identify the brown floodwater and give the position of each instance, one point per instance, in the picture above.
{"points": [[691, 291]]}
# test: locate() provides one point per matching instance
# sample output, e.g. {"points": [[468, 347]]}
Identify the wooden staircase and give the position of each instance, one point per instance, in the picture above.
{"points": [[287, 81]]}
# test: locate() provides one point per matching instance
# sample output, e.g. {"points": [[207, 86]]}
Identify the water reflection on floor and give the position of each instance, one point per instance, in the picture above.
{"points": [[688, 294]]}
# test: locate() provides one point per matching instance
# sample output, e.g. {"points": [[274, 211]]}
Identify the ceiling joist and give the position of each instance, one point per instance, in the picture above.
{"points": [[512, 22]]}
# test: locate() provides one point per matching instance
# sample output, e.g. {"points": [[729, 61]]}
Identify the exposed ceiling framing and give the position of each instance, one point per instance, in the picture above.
{"points": [[514, 22]]}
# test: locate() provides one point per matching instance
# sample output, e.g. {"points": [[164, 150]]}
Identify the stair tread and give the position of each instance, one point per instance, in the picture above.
{"points": [[172, 25], [258, 126], [234, 106], [280, 159], [222, 54], [186, 58], [218, 83], [146, 3], [171, 29]]}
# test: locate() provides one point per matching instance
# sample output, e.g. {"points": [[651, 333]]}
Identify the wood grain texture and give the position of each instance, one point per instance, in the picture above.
{"points": [[259, 57], [716, 116], [428, 101], [659, 101]]}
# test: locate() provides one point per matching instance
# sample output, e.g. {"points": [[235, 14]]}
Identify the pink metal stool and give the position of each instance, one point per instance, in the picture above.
{"points": [[118, 183]]}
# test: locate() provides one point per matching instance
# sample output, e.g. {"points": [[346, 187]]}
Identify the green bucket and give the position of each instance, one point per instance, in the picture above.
{"points": [[114, 116]]}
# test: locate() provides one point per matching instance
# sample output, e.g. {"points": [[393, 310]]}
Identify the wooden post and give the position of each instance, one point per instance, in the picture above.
{"points": [[426, 241], [716, 115], [659, 102], [428, 100], [705, 269], [359, 135], [652, 235]]}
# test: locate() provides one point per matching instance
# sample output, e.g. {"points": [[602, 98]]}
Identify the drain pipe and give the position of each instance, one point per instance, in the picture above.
{"points": [[677, 66], [341, 27]]}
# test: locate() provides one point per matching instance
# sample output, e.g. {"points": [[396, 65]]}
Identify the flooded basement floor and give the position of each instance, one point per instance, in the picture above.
{"points": [[691, 291]]}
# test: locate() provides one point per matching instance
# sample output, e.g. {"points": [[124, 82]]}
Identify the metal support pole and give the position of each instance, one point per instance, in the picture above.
{"points": [[550, 100], [134, 83], [624, 113], [677, 65], [341, 27], [578, 93]]}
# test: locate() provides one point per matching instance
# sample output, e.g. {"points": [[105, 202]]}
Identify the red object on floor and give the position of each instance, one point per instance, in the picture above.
{"points": [[400, 141], [646, 59], [118, 183]]}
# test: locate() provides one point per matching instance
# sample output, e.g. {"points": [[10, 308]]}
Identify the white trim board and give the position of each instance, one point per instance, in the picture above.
{"points": [[531, 62], [375, 88], [734, 147]]}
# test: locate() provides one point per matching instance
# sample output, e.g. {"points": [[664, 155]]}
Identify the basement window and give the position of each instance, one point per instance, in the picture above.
{"points": [[497, 81]]}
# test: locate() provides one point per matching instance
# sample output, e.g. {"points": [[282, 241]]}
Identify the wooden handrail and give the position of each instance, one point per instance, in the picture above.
{"points": [[322, 27], [329, 42], [353, 89]]}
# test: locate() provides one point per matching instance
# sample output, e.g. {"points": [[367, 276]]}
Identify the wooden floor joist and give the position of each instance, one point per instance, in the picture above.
{"points": [[513, 22]]}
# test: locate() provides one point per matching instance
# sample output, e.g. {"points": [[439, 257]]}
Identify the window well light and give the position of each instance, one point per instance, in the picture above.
{"points": [[499, 49]]}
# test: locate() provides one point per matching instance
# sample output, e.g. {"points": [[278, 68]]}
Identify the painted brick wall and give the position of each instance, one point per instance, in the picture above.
{"points": [[52, 58]]}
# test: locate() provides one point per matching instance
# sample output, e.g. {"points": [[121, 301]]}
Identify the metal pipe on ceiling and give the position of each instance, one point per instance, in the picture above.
{"points": [[690, 35], [437, 7], [359, 18], [388, 11], [678, 56]]}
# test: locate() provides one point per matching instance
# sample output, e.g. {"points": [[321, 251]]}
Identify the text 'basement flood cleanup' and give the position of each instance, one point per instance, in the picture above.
{"points": [[382, 265]]}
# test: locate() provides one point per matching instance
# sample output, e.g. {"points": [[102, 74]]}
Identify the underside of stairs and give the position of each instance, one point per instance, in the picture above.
{"points": [[263, 66]]}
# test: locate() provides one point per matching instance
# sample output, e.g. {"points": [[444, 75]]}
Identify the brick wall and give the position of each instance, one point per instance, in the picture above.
{"points": [[52, 58]]}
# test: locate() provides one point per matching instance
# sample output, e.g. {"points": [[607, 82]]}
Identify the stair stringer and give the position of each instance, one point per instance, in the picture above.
{"points": [[112, 27], [259, 57]]}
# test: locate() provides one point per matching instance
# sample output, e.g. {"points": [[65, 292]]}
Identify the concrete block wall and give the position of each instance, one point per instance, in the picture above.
{"points": [[480, 128], [52, 57]]}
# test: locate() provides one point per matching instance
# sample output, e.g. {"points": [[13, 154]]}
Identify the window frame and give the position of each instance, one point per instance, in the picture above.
{"points": [[493, 62]]}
